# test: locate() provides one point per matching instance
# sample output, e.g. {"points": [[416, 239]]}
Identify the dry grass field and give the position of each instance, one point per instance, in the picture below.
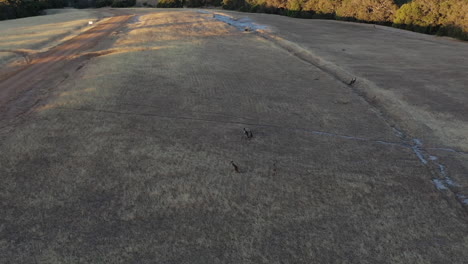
{"points": [[27, 36], [127, 160], [419, 80]]}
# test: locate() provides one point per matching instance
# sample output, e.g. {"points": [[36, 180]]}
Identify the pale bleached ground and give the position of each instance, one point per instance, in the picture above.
{"points": [[34, 34], [127, 161]]}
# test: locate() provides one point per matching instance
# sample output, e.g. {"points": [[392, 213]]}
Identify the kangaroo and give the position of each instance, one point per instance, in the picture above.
{"points": [[274, 168], [236, 168], [248, 133]]}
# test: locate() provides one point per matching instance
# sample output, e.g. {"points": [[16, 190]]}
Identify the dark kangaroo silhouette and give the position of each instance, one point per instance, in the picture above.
{"points": [[248, 133], [236, 168]]}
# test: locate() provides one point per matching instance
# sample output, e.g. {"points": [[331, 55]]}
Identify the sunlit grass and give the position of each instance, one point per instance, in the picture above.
{"points": [[41, 33], [160, 26]]}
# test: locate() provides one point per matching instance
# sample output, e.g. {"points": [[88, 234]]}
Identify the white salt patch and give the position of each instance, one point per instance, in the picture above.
{"points": [[241, 24], [417, 141], [135, 20], [398, 133], [463, 198], [442, 170], [439, 184], [418, 153], [450, 182]]}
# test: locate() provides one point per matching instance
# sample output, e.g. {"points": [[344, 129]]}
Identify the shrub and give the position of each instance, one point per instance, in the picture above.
{"points": [[54, 3], [233, 4], [454, 19], [170, 3], [198, 3], [294, 5], [401, 2], [194, 3], [279, 4], [82, 3], [322, 7], [382, 11], [123, 3], [418, 13], [10, 9], [442, 17], [103, 3], [213, 2]]}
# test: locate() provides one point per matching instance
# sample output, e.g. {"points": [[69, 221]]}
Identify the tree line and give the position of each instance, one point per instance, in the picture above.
{"points": [[22, 8], [10, 9], [441, 17]]}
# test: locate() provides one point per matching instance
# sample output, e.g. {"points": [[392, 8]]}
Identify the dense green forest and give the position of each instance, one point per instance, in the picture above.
{"points": [[441, 17]]}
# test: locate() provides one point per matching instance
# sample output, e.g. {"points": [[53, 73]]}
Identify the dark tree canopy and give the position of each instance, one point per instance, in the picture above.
{"points": [[442, 17]]}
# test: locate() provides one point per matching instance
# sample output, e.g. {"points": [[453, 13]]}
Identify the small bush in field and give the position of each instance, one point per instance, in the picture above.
{"points": [[233, 4], [441, 17], [199, 3], [123, 3], [170, 3], [213, 2], [103, 3], [194, 3], [381, 11]]}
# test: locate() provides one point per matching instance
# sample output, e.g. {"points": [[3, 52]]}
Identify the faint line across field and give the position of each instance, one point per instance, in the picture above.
{"points": [[418, 147], [443, 182], [176, 117]]}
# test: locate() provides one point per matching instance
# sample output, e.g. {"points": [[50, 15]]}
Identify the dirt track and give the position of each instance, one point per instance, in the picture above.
{"points": [[19, 88]]}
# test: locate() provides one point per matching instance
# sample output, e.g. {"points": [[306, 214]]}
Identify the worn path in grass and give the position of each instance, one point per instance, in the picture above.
{"points": [[27, 36], [19, 89], [128, 160]]}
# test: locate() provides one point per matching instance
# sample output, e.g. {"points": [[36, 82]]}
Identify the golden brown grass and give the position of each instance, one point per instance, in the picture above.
{"points": [[128, 161], [165, 26], [40, 33]]}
